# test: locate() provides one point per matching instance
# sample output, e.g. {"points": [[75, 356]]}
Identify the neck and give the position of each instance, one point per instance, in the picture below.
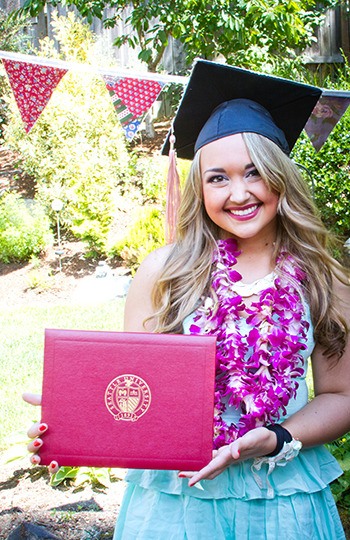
{"points": [[257, 258], [258, 244], [256, 248]]}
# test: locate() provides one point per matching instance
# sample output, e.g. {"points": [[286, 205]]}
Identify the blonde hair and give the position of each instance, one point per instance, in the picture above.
{"points": [[185, 277]]}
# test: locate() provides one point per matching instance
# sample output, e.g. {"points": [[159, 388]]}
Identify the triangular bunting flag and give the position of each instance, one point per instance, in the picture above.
{"points": [[132, 98], [32, 86], [326, 114]]}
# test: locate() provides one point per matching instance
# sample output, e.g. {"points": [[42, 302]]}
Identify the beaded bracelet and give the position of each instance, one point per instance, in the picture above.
{"points": [[283, 436]]}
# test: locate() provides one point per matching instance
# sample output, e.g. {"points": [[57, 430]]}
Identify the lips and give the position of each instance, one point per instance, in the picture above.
{"points": [[247, 212]]}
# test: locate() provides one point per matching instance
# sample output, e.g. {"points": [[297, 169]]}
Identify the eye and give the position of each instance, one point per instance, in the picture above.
{"points": [[253, 174], [216, 179]]}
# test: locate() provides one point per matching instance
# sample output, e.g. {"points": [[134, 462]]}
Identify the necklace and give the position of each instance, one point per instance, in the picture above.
{"points": [[256, 372]]}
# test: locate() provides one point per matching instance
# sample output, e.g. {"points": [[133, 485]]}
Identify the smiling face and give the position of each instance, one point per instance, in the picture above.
{"points": [[236, 198]]}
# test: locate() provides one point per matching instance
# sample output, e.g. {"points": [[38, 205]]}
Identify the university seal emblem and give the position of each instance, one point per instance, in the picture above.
{"points": [[127, 397]]}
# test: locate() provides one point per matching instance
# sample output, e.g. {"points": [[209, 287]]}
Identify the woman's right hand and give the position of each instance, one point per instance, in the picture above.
{"points": [[35, 432]]}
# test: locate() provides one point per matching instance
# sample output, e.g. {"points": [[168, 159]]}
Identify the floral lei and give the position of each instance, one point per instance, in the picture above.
{"points": [[256, 373]]}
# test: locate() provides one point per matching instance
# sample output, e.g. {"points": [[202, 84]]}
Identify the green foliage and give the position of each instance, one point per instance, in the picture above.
{"points": [[341, 487], [149, 176], [76, 151], [40, 279], [330, 167], [242, 31], [12, 37], [145, 235], [24, 229], [81, 476]]}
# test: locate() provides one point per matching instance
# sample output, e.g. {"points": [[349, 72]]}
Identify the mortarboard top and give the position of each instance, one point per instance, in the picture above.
{"points": [[211, 84]]}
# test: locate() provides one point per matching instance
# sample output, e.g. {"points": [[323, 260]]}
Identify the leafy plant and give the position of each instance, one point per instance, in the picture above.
{"points": [[145, 235], [341, 487], [149, 176], [76, 151], [239, 31], [24, 229], [81, 476], [330, 167], [39, 279]]}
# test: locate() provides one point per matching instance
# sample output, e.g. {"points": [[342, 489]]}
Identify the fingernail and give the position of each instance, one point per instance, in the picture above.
{"points": [[53, 465], [181, 475], [43, 427], [35, 460], [239, 453], [37, 443]]}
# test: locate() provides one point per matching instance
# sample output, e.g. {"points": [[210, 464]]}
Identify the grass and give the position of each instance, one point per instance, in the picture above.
{"points": [[21, 355]]}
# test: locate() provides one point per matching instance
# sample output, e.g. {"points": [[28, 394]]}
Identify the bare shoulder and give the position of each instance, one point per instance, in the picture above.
{"points": [[154, 262]]}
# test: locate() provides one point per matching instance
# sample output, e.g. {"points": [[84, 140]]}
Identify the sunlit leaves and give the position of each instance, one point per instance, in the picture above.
{"points": [[240, 31]]}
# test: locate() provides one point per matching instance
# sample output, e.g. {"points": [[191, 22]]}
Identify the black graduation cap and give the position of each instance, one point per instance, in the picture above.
{"points": [[243, 101]]}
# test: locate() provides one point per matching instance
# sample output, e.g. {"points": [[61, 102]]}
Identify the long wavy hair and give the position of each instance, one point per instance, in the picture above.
{"points": [[185, 278]]}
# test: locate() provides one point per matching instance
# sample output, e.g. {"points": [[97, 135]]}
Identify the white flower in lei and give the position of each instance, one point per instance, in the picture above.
{"points": [[255, 373]]}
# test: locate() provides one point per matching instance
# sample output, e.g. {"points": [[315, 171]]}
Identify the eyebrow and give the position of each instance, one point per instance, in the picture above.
{"points": [[220, 170]]}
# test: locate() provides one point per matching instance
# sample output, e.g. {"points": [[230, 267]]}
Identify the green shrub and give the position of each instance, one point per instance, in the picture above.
{"points": [[24, 229], [330, 167], [330, 171], [145, 235], [150, 177], [76, 151], [341, 487]]}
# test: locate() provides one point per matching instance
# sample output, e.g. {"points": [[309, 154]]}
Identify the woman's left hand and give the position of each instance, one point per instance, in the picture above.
{"points": [[257, 442]]}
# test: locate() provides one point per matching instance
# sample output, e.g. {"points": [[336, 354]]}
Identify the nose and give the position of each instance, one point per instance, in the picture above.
{"points": [[239, 192]]}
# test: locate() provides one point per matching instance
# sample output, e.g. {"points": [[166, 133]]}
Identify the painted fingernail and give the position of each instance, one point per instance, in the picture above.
{"points": [[53, 465], [239, 453], [35, 460], [43, 427], [37, 443], [181, 475]]}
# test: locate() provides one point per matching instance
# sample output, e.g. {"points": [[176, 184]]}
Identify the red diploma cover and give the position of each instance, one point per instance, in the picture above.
{"points": [[130, 400]]}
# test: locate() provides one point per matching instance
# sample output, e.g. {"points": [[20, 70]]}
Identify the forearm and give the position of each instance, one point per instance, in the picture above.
{"points": [[322, 420]]}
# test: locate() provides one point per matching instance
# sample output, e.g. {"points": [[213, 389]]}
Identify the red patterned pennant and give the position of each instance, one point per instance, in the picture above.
{"points": [[32, 86], [132, 98], [138, 95]]}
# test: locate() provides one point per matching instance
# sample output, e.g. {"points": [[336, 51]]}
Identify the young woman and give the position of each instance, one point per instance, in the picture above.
{"points": [[250, 265]]}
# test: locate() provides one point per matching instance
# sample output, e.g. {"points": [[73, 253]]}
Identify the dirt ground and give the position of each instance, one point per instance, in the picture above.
{"points": [[67, 512]]}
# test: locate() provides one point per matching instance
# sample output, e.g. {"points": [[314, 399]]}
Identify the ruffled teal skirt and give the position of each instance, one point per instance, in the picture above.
{"points": [[293, 502]]}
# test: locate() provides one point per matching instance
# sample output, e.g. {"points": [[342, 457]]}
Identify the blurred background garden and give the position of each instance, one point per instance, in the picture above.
{"points": [[111, 192]]}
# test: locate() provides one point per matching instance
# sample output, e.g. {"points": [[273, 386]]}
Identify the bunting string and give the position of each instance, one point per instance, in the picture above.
{"points": [[76, 66], [33, 80]]}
